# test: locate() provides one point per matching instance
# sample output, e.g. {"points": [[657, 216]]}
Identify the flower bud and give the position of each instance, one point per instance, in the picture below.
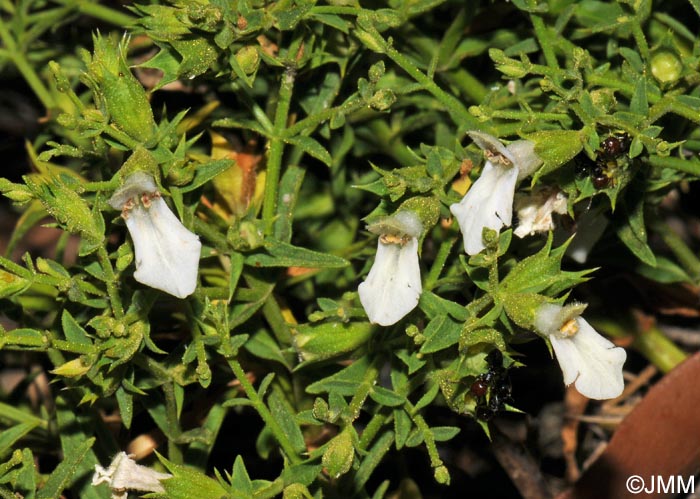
{"points": [[666, 67]]}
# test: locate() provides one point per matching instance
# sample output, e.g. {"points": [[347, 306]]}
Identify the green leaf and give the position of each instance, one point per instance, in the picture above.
{"points": [[434, 305], [304, 474], [283, 414], [186, 479], [32, 215], [344, 382], [540, 272], [72, 330], [488, 336], [639, 104], [665, 271], [279, 254], [10, 436], [323, 340], [26, 477], [75, 427], [118, 94], [289, 187], [63, 202], [441, 332], [444, 433], [386, 397], [402, 427], [311, 147], [125, 401], [204, 172], [12, 284], [241, 485], [67, 471], [339, 454], [555, 148], [633, 232], [263, 345]]}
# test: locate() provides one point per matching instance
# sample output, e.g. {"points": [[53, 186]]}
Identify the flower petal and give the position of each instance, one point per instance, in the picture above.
{"points": [[393, 285], [489, 203], [167, 254], [524, 157], [593, 362]]}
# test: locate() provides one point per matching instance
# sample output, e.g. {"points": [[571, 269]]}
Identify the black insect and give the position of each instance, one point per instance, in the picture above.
{"points": [[492, 389], [600, 176], [610, 156], [614, 146], [583, 165]]}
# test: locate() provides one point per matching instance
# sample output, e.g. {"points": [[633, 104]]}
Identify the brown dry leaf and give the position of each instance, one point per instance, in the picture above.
{"points": [[658, 438]]}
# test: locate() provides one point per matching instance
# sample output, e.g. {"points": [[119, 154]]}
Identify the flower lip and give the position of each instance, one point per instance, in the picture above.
{"points": [[586, 358]]}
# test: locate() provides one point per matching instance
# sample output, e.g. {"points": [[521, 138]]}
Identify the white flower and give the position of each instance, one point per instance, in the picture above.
{"points": [[124, 474], [585, 357], [393, 285], [167, 254], [535, 210], [489, 202]]}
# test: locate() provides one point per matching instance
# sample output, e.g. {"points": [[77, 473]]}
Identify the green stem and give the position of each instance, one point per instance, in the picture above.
{"points": [[373, 458], [641, 40], [661, 351], [25, 68], [671, 105], [470, 86], [435, 460], [316, 119], [362, 392], [174, 452], [439, 263], [263, 411], [122, 137], [527, 115], [274, 160], [69, 346], [274, 489], [106, 185], [650, 342], [212, 235], [454, 107], [475, 307], [337, 10], [111, 282], [273, 314], [375, 424], [683, 165], [106, 14], [686, 257]]}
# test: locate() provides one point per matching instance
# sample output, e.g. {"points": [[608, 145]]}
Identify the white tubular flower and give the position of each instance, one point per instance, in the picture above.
{"points": [[585, 357], [489, 202], [124, 474], [535, 210], [167, 254], [393, 285]]}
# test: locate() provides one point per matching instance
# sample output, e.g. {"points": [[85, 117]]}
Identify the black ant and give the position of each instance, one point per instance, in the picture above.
{"points": [[492, 389], [601, 172]]}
